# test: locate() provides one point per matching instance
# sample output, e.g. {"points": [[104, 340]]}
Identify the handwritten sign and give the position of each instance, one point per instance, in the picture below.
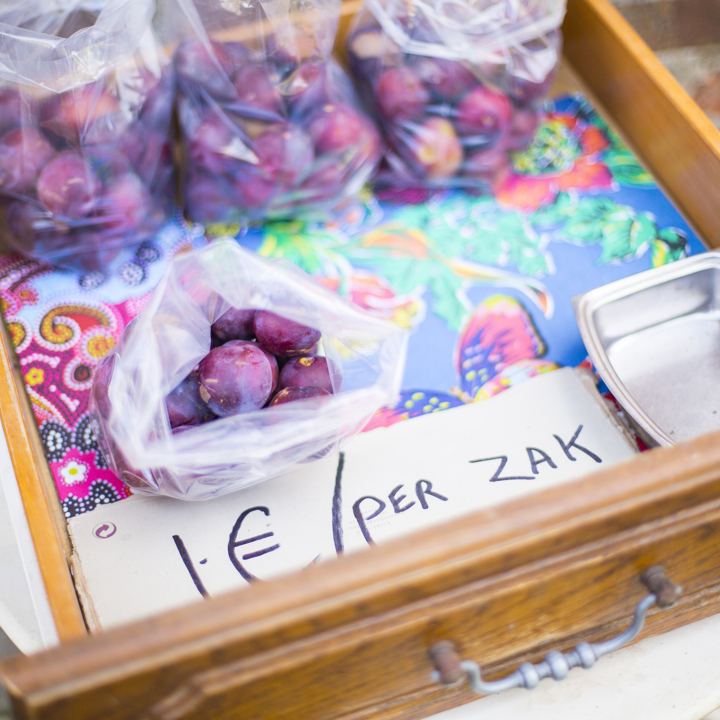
{"points": [[145, 555]]}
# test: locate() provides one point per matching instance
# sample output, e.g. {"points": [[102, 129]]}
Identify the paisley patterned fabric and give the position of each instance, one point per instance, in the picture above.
{"points": [[483, 284], [62, 324]]}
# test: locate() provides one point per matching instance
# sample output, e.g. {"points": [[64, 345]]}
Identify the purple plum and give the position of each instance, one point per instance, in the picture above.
{"points": [[337, 128], [180, 429], [124, 204], [101, 385], [522, 129], [484, 112], [27, 221], [304, 371], [274, 365], [158, 93], [211, 145], [67, 185], [253, 190], [283, 337], [290, 394], [153, 160], [254, 86], [486, 165], [437, 149], [235, 324], [325, 182], [284, 152], [446, 79], [74, 113], [24, 152], [368, 48], [10, 107], [209, 199], [184, 404], [531, 68], [204, 68], [401, 95], [236, 377], [306, 86]]}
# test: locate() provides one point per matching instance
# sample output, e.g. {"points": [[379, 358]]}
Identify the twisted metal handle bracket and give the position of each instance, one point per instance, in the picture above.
{"points": [[450, 669]]}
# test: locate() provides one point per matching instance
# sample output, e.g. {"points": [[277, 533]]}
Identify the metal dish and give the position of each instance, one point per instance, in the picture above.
{"points": [[654, 339]]}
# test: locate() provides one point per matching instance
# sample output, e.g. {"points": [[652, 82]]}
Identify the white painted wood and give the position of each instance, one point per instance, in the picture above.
{"points": [[24, 610]]}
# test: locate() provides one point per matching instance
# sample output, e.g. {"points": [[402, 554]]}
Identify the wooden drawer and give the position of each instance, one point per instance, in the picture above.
{"points": [[350, 638]]}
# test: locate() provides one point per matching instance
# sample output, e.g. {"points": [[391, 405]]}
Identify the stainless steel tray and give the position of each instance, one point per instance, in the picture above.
{"points": [[654, 339]]}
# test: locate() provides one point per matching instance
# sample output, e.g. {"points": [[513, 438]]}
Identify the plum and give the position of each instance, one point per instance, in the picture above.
{"points": [[184, 404], [284, 152], [153, 160], [289, 394], [201, 68], [486, 165], [253, 190], [26, 220], [255, 87], [401, 95], [525, 90], [209, 199], [101, 386], [283, 337], [522, 129], [484, 112], [67, 185], [446, 79], [211, 145], [306, 85], [10, 107], [112, 159], [158, 93], [236, 377], [180, 429], [303, 371], [124, 204], [24, 152], [274, 365], [369, 48], [74, 113], [337, 127], [325, 182], [436, 147], [235, 324], [531, 68]]}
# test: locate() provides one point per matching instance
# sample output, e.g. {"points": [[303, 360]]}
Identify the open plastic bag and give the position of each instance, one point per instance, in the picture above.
{"points": [[165, 344], [455, 86], [86, 99], [271, 126]]}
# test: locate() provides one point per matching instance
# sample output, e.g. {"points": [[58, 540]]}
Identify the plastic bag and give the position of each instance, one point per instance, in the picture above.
{"points": [[455, 86], [271, 126], [161, 347], [86, 99]]}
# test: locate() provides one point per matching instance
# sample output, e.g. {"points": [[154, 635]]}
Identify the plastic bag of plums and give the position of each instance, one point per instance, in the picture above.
{"points": [[236, 370], [86, 99], [271, 126], [455, 87]]}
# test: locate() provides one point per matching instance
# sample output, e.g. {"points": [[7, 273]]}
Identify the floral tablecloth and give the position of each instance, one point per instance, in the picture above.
{"points": [[483, 283]]}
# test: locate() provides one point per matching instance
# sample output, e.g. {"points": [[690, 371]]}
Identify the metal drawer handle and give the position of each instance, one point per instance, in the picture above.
{"points": [[451, 669]]}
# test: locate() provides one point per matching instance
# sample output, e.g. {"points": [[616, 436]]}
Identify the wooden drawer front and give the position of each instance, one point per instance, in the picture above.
{"points": [[380, 668], [349, 638]]}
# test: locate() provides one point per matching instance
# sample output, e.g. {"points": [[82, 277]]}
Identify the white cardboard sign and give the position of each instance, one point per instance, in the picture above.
{"points": [[147, 554]]}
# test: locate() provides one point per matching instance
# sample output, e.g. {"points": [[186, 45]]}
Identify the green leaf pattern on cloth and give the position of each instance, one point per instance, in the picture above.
{"points": [[446, 244]]}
